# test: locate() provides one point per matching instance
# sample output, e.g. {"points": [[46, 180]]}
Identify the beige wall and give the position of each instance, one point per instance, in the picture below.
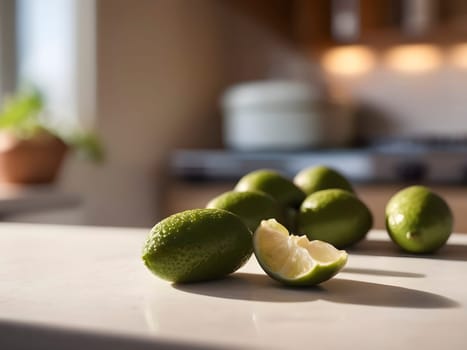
{"points": [[159, 74]]}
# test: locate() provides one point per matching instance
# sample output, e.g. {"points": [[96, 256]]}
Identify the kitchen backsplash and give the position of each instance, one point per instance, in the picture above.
{"points": [[397, 104]]}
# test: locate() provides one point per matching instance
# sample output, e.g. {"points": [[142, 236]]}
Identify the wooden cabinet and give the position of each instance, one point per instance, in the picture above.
{"points": [[317, 24], [181, 195]]}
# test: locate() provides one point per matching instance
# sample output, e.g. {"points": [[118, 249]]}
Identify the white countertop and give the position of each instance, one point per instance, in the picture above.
{"points": [[86, 287]]}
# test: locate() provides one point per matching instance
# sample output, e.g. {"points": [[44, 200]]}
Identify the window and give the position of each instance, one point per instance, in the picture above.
{"points": [[50, 44]]}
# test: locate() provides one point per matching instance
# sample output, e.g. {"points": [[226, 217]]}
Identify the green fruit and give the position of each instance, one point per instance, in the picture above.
{"points": [[197, 245], [274, 184], [319, 178], [250, 206], [290, 219], [335, 216], [294, 260], [418, 220]]}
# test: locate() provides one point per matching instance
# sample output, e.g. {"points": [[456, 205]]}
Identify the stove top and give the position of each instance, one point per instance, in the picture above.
{"points": [[420, 144], [422, 162]]}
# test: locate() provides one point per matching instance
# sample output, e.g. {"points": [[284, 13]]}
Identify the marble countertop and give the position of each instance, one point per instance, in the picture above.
{"points": [[86, 287]]}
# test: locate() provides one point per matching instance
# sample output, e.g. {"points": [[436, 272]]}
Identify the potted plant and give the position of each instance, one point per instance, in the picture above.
{"points": [[31, 149]]}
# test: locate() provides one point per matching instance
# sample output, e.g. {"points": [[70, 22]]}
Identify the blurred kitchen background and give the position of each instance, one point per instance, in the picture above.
{"points": [[188, 95]]}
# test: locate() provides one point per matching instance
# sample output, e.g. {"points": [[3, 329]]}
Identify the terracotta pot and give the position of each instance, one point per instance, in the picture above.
{"points": [[30, 161]]}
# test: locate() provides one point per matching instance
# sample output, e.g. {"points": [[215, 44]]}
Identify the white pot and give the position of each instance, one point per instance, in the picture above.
{"points": [[273, 115]]}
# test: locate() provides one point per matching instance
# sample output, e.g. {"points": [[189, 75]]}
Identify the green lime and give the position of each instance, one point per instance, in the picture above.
{"points": [[197, 245], [418, 220], [274, 184], [294, 260], [250, 206], [335, 216], [290, 219], [319, 178]]}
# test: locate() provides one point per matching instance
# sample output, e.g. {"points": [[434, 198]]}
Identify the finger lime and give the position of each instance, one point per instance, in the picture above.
{"points": [[197, 245]]}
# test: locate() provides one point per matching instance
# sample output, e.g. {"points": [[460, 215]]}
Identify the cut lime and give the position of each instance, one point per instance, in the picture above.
{"points": [[294, 260]]}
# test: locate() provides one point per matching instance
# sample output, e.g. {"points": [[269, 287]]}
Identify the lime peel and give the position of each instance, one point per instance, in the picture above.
{"points": [[294, 260]]}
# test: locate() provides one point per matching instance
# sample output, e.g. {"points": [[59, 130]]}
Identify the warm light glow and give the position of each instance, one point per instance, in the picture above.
{"points": [[458, 56], [348, 60], [419, 58]]}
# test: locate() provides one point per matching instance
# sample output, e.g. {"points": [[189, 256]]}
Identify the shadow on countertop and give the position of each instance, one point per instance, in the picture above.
{"points": [[449, 251], [259, 287]]}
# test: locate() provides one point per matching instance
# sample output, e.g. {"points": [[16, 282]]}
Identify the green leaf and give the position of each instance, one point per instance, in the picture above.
{"points": [[20, 114], [87, 144]]}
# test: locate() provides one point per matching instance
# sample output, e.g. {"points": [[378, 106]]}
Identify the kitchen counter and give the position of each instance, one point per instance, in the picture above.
{"points": [[17, 199], [86, 287]]}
